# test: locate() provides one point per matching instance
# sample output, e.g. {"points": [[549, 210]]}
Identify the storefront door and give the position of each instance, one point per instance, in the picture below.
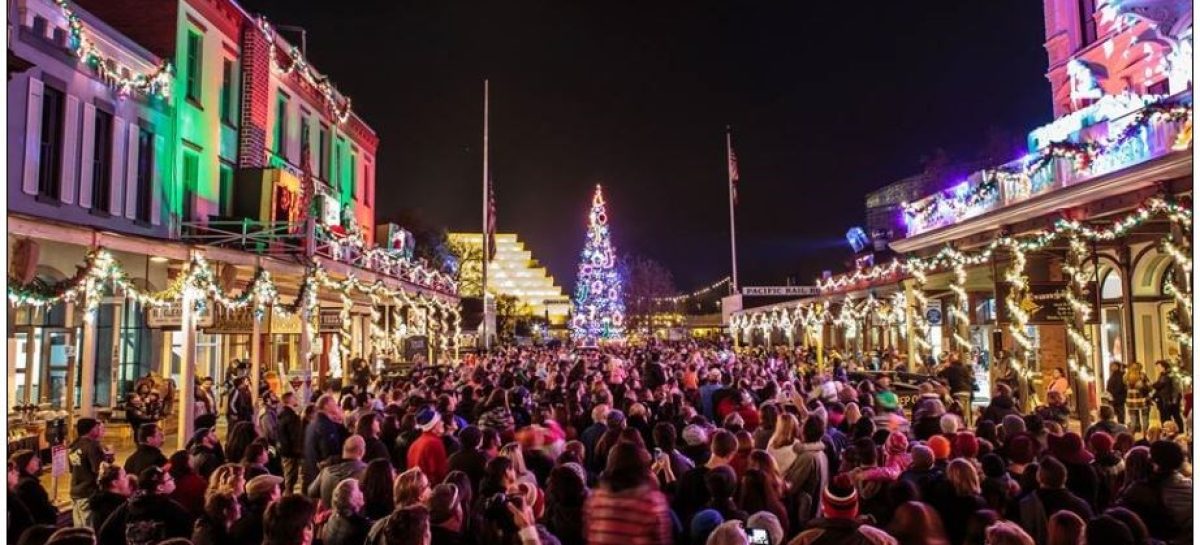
{"points": [[43, 354]]}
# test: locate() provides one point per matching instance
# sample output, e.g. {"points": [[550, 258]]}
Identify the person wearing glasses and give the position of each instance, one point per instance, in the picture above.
{"points": [[149, 516]]}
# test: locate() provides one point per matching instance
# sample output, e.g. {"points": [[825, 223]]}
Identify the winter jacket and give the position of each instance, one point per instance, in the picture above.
{"points": [[322, 487], [189, 492], [375, 450], [808, 475], [1117, 389], [84, 456], [1000, 407], [1110, 470], [210, 532], [145, 456], [1138, 390], [343, 529], [322, 440], [291, 434], [146, 519], [842, 532], [1033, 510], [19, 517], [958, 377], [102, 504], [1164, 502], [206, 460], [37, 500], [428, 452], [267, 424]]}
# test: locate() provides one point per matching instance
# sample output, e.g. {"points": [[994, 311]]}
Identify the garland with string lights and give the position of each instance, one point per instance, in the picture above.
{"points": [[101, 270], [1155, 207], [155, 83], [693, 295], [338, 109], [962, 305], [1076, 323], [1082, 155]]}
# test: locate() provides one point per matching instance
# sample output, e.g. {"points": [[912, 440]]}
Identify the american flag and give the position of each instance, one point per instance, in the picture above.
{"points": [[733, 173], [491, 221]]}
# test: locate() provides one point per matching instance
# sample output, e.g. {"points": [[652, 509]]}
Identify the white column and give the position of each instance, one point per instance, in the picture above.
{"points": [[256, 356], [187, 368], [86, 366], [305, 392]]}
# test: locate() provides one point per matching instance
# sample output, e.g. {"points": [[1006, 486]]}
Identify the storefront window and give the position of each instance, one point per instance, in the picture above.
{"points": [[137, 348]]}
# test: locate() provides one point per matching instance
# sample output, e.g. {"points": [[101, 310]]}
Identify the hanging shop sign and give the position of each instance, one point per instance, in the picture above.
{"points": [[232, 321], [417, 345], [1046, 303], [776, 291], [330, 320], [285, 324], [170, 316], [933, 312]]}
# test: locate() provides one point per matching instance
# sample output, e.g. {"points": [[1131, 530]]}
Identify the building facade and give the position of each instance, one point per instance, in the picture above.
{"points": [[190, 198], [1073, 257]]}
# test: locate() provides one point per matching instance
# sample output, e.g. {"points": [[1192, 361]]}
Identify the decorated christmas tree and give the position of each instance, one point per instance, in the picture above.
{"points": [[599, 310]]}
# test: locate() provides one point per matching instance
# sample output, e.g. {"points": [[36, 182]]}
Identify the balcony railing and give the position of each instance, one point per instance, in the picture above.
{"points": [[300, 239], [1107, 145]]}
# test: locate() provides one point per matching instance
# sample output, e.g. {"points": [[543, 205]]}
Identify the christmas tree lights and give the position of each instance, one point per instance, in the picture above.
{"points": [[599, 310]]}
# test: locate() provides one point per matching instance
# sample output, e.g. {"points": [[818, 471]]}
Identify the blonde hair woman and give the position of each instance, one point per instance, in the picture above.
{"points": [[411, 488], [229, 478], [512, 451], [965, 501], [1007, 533], [782, 446]]}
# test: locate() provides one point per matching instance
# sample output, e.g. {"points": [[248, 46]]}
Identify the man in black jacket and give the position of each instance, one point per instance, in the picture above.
{"points": [[149, 516], [148, 453], [961, 382], [323, 438], [85, 456], [1117, 389], [291, 441]]}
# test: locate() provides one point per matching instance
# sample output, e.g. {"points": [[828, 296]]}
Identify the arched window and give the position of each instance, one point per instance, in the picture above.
{"points": [[1111, 288]]}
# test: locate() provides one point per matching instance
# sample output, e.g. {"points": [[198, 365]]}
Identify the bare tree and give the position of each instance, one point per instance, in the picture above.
{"points": [[647, 284]]}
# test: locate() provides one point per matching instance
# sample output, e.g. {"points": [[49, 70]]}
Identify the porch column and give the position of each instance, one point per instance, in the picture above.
{"points": [[72, 371], [256, 356], [1125, 269], [305, 392], [86, 367], [914, 355], [187, 368]]}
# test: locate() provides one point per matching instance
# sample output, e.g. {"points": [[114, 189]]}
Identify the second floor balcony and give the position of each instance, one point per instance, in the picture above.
{"points": [[1096, 142]]}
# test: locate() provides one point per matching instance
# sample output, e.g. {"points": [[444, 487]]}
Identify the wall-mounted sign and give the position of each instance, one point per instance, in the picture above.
{"points": [[234, 322], [777, 291], [171, 316], [933, 312], [330, 320], [1046, 303]]}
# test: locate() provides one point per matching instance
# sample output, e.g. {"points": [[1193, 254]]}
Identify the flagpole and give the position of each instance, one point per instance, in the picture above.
{"points": [[733, 284], [483, 233]]}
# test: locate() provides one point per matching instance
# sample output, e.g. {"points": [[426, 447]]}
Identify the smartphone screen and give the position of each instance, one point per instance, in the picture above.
{"points": [[758, 536]]}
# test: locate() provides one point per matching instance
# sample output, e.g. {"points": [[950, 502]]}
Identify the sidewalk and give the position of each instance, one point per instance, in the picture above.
{"points": [[60, 492]]}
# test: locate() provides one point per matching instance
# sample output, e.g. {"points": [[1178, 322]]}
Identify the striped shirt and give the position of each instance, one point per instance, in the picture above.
{"points": [[638, 516]]}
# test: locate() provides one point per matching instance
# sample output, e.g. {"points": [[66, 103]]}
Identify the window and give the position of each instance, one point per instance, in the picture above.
{"points": [[336, 176], [323, 153], [102, 162], [1160, 87], [1087, 22], [353, 175], [39, 26], [281, 124], [227, 97], [225, 177], [191, 178], [195, 56], [50, 150], [368, 189], [305, 144], [145, 175]]}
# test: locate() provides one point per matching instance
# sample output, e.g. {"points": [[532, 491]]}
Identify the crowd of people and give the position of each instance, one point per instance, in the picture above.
{"points": [[687, 443]]}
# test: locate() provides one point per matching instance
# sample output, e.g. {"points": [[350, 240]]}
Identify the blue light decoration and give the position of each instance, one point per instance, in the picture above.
{"points": [[858, 239], [599, 302]]}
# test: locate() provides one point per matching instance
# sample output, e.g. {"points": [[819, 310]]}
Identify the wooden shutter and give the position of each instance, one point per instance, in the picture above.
{"points": [[85, 155], [157, 180], [70, 158], [131, 171], [33, 136], [116, 195]]}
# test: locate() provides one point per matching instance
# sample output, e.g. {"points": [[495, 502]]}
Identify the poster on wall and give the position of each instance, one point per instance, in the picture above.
{"points": [[1046, 303]]}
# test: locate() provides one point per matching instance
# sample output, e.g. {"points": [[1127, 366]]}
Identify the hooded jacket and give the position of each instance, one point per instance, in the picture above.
{"points": [[146, 519], [322, 487]]}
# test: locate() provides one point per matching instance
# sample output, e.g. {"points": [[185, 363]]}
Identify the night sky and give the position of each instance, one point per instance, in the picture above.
{"points": [[828, 100]]}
